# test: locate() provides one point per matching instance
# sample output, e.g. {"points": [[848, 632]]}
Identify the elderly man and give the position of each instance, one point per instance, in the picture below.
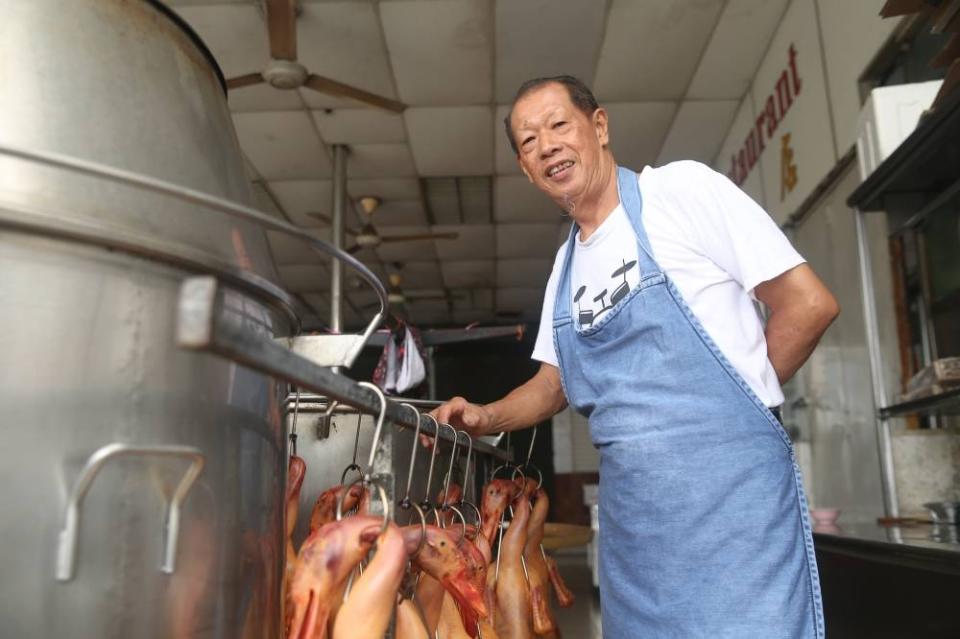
{"points": [[648, 329]]}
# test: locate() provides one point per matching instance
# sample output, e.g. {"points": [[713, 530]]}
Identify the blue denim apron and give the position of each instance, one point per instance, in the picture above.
{"points": [[703, 521]]}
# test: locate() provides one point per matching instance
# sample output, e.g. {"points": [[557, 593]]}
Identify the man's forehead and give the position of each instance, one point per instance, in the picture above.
{"points": [[541, 103]]}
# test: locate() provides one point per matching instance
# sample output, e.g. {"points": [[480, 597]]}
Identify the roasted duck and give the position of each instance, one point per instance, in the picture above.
{"points": [[325, 510], [296, 470], [513, 617], [539, 579]]}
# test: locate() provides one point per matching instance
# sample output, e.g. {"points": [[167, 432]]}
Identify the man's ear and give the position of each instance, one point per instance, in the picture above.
{"points": [[601, 125]]}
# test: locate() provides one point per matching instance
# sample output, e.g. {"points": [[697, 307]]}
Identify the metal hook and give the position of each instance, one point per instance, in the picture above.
{"points": [[380, 416], [533, 438], [423, 525], [323, 424], [463, 523], [380, 491], [453, 456], [293, 426], [413, 456], [356, 445], [433, 457], [466, 478]]}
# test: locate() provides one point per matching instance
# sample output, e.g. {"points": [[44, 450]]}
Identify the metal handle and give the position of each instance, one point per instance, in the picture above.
{"points": [[67, 541]]}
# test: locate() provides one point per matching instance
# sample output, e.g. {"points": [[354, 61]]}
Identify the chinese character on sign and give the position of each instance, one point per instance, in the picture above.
{"points": [[788, 170]]}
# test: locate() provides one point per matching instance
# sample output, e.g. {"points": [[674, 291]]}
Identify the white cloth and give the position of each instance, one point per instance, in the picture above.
{"points": [[412, 371], [711, 239]]}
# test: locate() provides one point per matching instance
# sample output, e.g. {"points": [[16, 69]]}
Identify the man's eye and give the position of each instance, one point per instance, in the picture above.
{"points": [[526, 141], [560, 124]]}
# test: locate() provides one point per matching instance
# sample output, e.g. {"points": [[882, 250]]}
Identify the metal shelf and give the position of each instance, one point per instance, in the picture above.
{"points": [[947, 403]]}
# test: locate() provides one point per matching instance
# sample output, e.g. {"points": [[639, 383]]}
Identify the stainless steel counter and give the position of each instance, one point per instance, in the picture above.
{"points": [[927, 546]]}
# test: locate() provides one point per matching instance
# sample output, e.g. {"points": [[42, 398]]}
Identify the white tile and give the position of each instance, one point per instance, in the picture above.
{"points": [[515, 199], [360, 126], [651, 48], [400, 213], [343, 41], [380, 160], [735, 49], [523, 273], [282, 145], [305, 278], [440, 51], [637, 130], [385, 188], [262, 97], [304, 199], [698, 131], [476, 199], [518, 300], [526, 240], [451, 141], [475, 242], [532, 36], [407, 250], [506, 159], [468, 274], [235, 34]]}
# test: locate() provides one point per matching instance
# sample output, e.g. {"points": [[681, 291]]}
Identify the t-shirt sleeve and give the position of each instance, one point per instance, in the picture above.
{"points": [[733, 230], [543, 349]]}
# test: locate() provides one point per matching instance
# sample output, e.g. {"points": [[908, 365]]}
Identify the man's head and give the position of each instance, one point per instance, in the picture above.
{"points": [[559, 133]]}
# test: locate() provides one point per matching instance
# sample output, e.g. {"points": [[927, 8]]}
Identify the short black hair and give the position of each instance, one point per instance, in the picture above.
{"points": [[580, 95]]}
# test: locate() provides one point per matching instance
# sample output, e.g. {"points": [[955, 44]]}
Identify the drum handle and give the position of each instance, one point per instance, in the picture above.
{"points": [[67, 541]]}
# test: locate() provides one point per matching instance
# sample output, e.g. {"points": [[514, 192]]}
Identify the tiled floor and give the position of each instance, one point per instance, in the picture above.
{"points": [[582, 619]]}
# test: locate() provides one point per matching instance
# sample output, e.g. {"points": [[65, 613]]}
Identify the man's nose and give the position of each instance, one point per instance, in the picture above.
{"points": [[548, 147]]}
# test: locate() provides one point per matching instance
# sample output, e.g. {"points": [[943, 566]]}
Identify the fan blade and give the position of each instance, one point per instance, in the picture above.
{"points": [[282, 24], [244, 81], [332, 87], [424, 236]]}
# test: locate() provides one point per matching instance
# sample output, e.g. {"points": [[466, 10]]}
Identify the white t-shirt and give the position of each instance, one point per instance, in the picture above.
{"points": [[711, 239]]}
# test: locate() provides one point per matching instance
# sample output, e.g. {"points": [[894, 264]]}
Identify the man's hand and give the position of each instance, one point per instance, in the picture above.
{"points": [[463, 415]]}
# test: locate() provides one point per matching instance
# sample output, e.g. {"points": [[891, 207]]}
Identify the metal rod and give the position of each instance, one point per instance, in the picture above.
{"points": [[336, 268], [871, 325]]}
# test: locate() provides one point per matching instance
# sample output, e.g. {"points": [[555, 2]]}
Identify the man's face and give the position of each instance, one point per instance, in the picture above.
{"points": [[560, 148]]}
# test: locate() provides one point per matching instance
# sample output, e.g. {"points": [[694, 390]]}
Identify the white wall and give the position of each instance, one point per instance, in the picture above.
{"points": [[573, 452]]}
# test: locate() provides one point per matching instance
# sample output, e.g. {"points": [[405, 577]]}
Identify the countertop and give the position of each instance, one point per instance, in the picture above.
{"points": [[928, 546]]}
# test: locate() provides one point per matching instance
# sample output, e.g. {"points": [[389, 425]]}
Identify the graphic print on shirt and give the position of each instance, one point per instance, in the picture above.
{"points": [[600, 305]]}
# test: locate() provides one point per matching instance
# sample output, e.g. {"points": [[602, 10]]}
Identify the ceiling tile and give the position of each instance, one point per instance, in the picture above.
{"points": [[652, 48], [476, 199], [417, 250], [517, 200], [471, 316], [506, 159], [304, 199], [736, 49], [305, 278], [263, 202], [385, 188], [343, 41], [482, 298], [475, 242], [525, 51], [290, 250], [421, 275], [380, 160], [282, 145], [637, 131], [262, 97], [440, 51], [235, 34], [468, 274], [519, 299], [526, 240], [400, 213], [359, 126], [448, 141], [443, 198], [698, 131], [523, 273]]}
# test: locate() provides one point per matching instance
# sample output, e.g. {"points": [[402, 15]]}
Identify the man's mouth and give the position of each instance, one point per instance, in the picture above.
{"points": [[559, 169]]}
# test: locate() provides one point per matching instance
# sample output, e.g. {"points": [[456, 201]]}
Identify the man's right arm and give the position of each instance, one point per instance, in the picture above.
{"points": [[527, 405]]}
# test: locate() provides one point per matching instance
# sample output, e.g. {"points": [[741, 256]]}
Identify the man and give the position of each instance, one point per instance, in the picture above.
{"points": [[649, 330]]}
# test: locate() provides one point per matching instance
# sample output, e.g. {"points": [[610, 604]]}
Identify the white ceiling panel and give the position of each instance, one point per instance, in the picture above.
{"points": [[517, 200], [526, 240], [532, 36], [290, 250], [282, 145], [523, 273], [637, 131], [360, 126], [303, 199], [517, 300], [736, 48], [468, 274], [506, 159], [343, 41], [235, 34], [385, 188], [405, 251], [698, 131], [305, 278], [652, 48], [420, 275], [475, 242], [451, 141], [441, 51], [380, 160], [262, 97], [263, 202], [400, 213]]}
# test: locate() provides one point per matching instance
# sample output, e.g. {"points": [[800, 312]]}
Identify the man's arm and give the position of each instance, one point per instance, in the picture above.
{"points": [[529, 404], [801, 309]]}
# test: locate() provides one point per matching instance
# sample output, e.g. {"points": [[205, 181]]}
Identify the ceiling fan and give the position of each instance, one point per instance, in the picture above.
{"points": [[284, 72], [398, 298], [367, 236]]}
